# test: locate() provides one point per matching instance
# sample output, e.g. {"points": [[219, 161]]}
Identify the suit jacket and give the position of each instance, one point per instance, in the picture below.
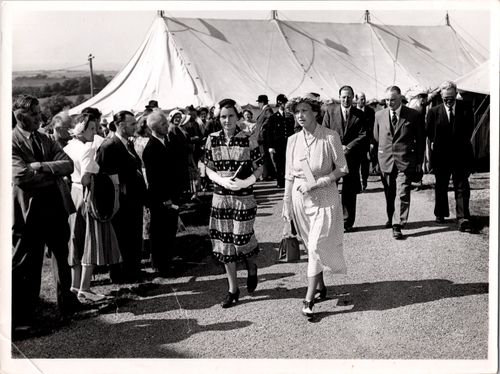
{"points": [[405, 148], [281, 126], [159, 162], [27, 183], [262, 127], [451, 143], [352, 135], [370, 120], [114, 158]]}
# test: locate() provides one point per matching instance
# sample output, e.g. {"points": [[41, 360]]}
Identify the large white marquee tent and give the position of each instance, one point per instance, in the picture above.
{"points": [[185, 61]]}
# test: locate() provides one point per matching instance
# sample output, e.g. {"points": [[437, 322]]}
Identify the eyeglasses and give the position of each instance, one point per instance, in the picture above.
{"points": [[449, 98]]}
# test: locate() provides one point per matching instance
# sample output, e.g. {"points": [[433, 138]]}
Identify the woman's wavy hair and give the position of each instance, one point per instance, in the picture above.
{"points": [[315, 104]]}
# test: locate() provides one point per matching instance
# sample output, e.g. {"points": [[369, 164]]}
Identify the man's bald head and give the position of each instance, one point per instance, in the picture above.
{"points": [[361, 99], [157, 122]]}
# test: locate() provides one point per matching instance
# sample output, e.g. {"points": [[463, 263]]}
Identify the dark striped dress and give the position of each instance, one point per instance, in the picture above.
{"points": [[233, 212]]}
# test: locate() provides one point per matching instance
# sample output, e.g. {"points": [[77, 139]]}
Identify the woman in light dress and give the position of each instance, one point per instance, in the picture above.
{"points": [[91, 242], [314, 162]]}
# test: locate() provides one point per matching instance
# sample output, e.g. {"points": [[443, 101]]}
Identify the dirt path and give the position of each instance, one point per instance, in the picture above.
{"points": [[425, 297]]}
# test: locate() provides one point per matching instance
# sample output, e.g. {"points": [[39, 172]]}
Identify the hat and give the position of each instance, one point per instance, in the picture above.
{"points": [[173, 113], [281, 98], [262, 99], [312, 95], [152, 104]]}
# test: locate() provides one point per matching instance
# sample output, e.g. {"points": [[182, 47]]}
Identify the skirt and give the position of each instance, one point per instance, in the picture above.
{"points": [[231, 227], [320, 223], [91, 242]]}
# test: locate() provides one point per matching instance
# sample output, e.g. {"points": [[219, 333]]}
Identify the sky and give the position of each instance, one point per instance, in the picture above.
{"points": [[62, 35]]}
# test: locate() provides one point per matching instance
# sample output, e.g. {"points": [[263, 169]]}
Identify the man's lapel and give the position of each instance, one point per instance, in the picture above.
{"points": [[338, 119], [402, 119]]}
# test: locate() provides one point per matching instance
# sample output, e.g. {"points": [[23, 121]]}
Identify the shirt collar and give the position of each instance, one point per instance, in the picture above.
{"points": [[162, 140], [448, 109], [24, 133], [122, 139], [223, 134], [398, 111]]}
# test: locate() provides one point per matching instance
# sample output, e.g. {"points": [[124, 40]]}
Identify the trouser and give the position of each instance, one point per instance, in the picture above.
{"points": [[46, 224], [278, 159], [461, 188], [397, 189], [127, 224], [163, 230], [365, 170], [268, 171], [350, 189]]}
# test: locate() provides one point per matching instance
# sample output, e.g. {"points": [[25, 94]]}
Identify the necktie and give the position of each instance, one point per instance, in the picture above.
{"points": [[452, 116], [394, 120], [36, 147]]}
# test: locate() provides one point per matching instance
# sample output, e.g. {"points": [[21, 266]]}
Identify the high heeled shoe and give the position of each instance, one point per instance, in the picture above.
{"points": [[230, 298], [252, 280], [320, 294], [307, 309]]}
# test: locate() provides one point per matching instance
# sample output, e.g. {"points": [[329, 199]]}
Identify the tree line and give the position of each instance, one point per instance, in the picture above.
{"points": [[68, 87]]}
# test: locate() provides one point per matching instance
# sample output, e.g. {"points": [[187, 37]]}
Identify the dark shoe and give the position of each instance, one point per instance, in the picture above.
{"points": [[348, 229], [230, 297], [365, 184], [396, 232], [307, 309], [320, 294], [252, 280], [388, 224], [464, 225], [440, 219]]}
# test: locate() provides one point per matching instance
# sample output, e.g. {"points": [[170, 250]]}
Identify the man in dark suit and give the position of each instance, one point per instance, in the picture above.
{"points": [[262, 130], [350, 124], [159, 160], [42, 204], [367, 156], [116, 155], [449, 129], [400, 136], [281, 126]]}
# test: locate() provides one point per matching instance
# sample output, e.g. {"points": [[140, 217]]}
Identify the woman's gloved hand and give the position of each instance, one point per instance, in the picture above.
{"points": [[245, 183]]}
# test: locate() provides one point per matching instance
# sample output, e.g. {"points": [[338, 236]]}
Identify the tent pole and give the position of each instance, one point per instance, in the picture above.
{"points": [[367, 16], [447, 17]]}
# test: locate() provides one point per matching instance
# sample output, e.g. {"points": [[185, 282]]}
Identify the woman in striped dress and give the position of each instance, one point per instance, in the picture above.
{"points": [[233, 162], [314, 162]]}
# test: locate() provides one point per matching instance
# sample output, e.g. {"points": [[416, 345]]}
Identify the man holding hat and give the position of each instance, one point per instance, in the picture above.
{"points": [[262, 130], [281, 126]]}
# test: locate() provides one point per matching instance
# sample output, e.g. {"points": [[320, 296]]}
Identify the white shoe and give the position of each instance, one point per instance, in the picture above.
{"points": [[90, 296], [307, 310]]}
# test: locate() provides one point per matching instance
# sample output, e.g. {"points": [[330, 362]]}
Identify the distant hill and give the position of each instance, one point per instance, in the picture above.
{"points": [[58, 74]]}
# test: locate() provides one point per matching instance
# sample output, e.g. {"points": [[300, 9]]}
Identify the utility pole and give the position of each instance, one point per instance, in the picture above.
{"points": [[367, 16], [91, 75]]}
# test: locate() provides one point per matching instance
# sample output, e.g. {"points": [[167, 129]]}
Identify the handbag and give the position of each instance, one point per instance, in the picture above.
{"points": [[289, 250]]}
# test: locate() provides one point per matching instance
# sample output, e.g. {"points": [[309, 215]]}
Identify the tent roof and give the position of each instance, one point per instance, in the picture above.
{"points": [[477, 80], [185, 61]]}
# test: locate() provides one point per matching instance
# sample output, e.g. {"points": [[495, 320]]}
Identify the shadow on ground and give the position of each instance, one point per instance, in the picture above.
{"points": [[132, 339]]}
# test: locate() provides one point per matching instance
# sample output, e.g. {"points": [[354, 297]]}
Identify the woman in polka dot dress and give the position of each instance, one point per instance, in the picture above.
{"points": [[314, 162], [234, 163]]}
